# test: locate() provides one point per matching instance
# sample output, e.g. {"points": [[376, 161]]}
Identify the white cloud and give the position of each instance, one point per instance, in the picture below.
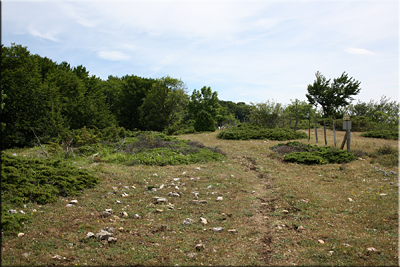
{"points": [[47, 35], [112, 55], [359, 51]]}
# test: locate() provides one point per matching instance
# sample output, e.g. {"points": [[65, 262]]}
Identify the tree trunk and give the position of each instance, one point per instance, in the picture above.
{"points": [[315, 126]]}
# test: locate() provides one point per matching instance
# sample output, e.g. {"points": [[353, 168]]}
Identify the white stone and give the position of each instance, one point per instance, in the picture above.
{"points": [[69, 205], [218, 229], [73, 201], [136, 216], [372, 249], [176, 179], [350, 199], [109, 210], [21, 234], [12, 211], [199, 246], [112, 240], [203, 220], [321, 241], [22, 212], [118, 202], [124, 214], [220, 198], [285, 211], [188, 221], [89, 235], [103, 235], [197, 168]]}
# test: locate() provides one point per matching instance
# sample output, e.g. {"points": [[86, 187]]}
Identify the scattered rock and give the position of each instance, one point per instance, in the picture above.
{"points": [[383, 194], [203, 201], [26, 255], [89, 235], [124, 194], [12, 211], [203, 220], [350, 199], [115, 188], [194, 201], [321, 241], [136, 216], [300, 228], [162, 186], [359, 158], [159, 210], [218, 229], [331, 252], [22, 212], [192, 254], [69, 205], [176, 179], [112, 240], [104, 235], [208, 187], [346, 245], [220, 198], [188, 221], [57, 257], [21, 234], [199, 247], [233, 231], [392, 172], [372, 249], [285, 211], [118, 202], [124, 214], [105, 214], [73, 201], [197, 168]]}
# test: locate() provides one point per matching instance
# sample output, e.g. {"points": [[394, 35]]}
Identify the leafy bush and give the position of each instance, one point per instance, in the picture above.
{"points": [[37, 180], [386, 155], [204, 122], [152, 148], [254, 131], [312, 154], [383, 134]]}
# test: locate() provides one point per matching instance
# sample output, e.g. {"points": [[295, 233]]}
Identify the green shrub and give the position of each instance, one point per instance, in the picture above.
{"points": [[254, 131], [386, 155], [383, 134], [312, 154], [37, 180], [204, 122]]}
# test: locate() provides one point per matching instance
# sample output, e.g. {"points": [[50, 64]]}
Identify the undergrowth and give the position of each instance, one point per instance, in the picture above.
{"points": [[312, 154], [249, 131], [383, 134], [37, 180], [386, 155]]}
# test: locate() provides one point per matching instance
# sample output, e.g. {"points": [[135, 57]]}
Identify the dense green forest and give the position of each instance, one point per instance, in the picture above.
{"points": [[43, 100]]}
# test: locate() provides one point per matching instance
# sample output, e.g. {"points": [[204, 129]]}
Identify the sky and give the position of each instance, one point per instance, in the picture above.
{"points": [[248, 51]]}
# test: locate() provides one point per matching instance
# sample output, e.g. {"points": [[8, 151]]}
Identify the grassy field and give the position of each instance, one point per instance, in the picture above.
{"points": [[272, 212]]}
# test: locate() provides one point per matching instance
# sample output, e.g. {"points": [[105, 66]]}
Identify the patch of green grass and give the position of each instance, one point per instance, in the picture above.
{"points": [[386, 155], [383, 134], [42, 181], [254, 131], [309, 154]]}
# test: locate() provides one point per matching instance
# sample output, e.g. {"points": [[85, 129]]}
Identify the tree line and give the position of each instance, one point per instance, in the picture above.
{"points": [[46, 99]]}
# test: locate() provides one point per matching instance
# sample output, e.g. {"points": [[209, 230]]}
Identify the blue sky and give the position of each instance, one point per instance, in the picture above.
{"points": [[250, 51]]}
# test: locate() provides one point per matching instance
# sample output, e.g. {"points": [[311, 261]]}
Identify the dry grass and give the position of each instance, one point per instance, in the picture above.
{"points": [[257, 189]]}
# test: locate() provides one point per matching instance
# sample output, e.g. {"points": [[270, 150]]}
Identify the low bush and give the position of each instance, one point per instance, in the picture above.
{"points": [[385, 155], [312, 154], [37, 180], [152, 148], [383, 134], [254, 131]]}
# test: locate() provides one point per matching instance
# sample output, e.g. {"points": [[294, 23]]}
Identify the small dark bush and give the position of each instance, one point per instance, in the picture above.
{"points": [[383, 134], [204, 122], [312, 154], [386, 155]]}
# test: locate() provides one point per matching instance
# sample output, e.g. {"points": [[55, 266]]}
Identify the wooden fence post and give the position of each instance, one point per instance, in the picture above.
{"points": [[334, 132], [326, 143], [344, 141], [309, 128]]}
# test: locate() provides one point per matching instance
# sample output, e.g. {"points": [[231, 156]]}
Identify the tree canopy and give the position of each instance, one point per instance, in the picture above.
{"points": [[332, 95]]}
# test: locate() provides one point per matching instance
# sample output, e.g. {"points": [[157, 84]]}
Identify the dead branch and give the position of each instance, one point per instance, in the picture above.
{"points": [[44, 151]]}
